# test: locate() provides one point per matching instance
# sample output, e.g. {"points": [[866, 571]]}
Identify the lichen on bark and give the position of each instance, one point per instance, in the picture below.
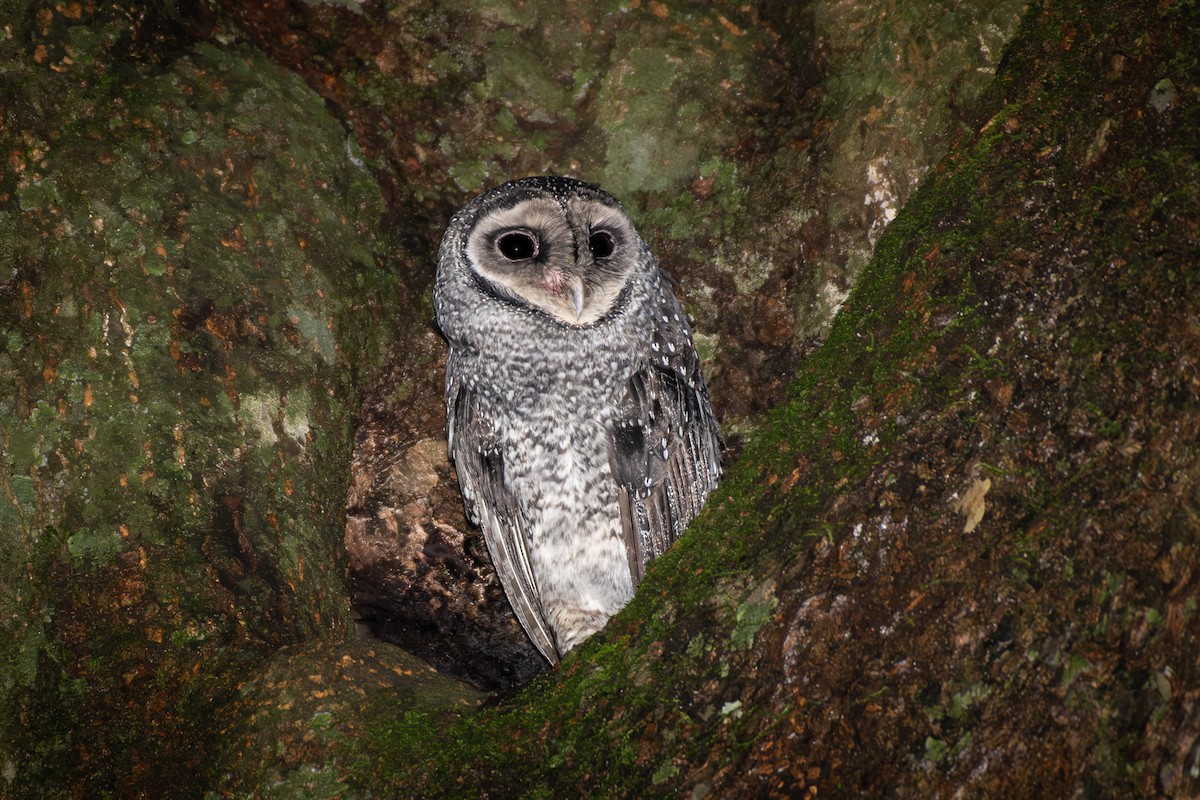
{"points": [[191, 293], [969, 527], [976, 515], [760, 148]]}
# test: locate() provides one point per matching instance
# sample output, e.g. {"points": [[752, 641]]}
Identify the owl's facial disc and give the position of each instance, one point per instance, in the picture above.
{"points": [[569, 263]]}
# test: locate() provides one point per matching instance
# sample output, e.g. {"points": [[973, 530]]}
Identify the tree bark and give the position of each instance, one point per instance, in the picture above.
{"points": [[190, 295], [957, 556]]}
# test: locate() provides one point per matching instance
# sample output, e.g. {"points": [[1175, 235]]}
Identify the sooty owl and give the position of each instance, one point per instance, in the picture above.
{"points": [[579, 421]]}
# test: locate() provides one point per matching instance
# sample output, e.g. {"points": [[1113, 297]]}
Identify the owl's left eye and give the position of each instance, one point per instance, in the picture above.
{"points": [[601, 244], [518, 245]]}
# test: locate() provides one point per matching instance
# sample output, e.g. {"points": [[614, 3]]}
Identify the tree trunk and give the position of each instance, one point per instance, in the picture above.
{"points": [[959, 555]]}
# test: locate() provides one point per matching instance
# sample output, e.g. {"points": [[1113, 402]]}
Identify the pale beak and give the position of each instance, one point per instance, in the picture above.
{"points": [[565, 292], [573, 291]]}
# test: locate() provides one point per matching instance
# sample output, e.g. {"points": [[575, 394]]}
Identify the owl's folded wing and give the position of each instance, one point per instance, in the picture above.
{"points": [[665, 447], [492, 505]]}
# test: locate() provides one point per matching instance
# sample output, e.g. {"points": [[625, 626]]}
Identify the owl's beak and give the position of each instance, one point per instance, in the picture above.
{"points": [[573, 292], [565, 290]]}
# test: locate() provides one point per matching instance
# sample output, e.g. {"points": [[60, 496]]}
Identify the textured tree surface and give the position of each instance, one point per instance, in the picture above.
{"points": [[791, 136], [959, 555], [962, 557]]}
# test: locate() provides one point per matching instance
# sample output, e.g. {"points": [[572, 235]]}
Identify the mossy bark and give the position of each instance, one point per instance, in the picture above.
{"points": [[190, 294], [760, 148], [959, 557], [962, 557]]}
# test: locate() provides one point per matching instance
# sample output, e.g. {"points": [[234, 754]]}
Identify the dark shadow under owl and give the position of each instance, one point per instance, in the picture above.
{"points": [[578, 418]]}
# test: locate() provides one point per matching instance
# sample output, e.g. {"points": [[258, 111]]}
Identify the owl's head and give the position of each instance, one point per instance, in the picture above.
{"points": [[558, 245]]}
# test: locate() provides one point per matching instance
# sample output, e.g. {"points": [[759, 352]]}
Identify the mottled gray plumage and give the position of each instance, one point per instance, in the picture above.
{"points": [[578, 418]]}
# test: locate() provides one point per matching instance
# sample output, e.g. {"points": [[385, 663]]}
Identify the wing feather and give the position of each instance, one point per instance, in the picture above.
{"points": [[492, 505], [665, 445]]}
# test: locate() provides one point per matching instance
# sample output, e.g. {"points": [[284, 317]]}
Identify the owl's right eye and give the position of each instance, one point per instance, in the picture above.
{"points": [[518, 245], [601, 244]]}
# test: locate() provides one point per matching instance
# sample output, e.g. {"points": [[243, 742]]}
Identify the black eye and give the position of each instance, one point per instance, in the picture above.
{"points": [[601, 244], [517, 245]]}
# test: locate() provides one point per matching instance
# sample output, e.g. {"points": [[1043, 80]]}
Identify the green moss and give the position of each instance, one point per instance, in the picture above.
{"points": [[193, 251], [750, 617], [916, 335]]}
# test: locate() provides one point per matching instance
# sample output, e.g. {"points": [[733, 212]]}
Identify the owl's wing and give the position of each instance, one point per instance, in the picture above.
{"points": [[491, 505], [665, 446]]}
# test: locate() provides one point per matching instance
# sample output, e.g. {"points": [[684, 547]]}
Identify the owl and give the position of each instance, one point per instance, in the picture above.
{"points": [[578, 418]]}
